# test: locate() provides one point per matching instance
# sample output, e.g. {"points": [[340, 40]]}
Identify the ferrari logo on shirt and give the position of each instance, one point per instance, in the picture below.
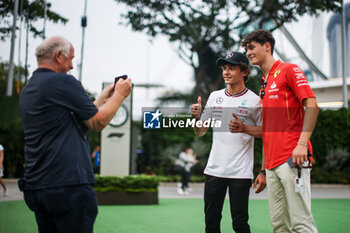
{"points": [[276, 73], [273, 85]]}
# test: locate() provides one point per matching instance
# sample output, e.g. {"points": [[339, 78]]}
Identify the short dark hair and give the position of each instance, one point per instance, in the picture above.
{"points": [[244, 67], [261, 36]]}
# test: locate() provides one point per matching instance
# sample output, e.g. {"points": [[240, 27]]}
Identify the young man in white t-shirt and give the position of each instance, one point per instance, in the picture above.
{"points": [[231, 158]]}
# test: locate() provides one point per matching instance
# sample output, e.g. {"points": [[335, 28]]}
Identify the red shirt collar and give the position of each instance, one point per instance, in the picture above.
{"points": [[273, 68]]}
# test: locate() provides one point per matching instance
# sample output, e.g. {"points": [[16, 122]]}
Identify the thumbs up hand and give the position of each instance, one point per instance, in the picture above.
{"points": [[236, 125], [196, 109]]}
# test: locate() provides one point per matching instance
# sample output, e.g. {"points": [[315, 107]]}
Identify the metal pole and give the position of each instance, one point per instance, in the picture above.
{"points": [[343, 55], [11, 65], [19, 49], [45, 17], [83, 24], [26, 56], [20, 40]]}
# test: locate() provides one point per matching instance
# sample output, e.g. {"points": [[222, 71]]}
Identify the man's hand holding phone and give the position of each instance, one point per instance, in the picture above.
{"points": [[125, 76], [122, 85]]}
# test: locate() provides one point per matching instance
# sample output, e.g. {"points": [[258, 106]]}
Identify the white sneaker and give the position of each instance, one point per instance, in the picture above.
{"points": [[180, 191], [6, 192], [186, 193]]}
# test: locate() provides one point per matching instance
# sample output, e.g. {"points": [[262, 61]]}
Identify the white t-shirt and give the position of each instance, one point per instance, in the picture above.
{"points": [[232, 154], [185, 160]]}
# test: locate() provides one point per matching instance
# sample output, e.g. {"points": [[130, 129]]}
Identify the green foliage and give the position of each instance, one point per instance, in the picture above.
{"points": [[332, 131], [156, 141], [12, 136], [198, 179], [134, 184], [18, 71], [253, 82], [320, 175], [257, 155], [31, 11], [177, 178], [177, 97], [94, 139], [336, 158]]}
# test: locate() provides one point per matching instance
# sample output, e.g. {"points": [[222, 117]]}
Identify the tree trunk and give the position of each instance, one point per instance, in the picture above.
{"points": [[207, 74]]}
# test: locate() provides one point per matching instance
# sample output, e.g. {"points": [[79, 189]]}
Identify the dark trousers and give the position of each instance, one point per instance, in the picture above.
{"points": [[67, 209], [185, 176], [214, 195], [185, 179]]}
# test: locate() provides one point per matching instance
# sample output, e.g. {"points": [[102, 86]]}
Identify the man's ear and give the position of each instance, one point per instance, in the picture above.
{"points": [[267, 46], [58, 56], [245, 73]]}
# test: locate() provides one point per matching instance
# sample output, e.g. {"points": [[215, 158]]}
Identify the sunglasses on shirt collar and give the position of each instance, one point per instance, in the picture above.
{"points": [[263, 83]]}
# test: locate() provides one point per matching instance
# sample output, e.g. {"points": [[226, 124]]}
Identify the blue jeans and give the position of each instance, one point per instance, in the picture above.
{"points": [[67, 209]]}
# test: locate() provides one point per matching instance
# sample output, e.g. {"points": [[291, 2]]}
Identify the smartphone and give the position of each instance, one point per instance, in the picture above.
{"points": [[290, 160], [125, 76]]}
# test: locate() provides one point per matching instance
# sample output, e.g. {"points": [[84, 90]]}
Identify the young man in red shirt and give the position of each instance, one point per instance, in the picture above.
{"points": [[290, 113]]}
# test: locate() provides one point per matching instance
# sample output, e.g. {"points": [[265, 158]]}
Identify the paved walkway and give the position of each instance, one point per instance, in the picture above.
{"points": [[169, 190]]}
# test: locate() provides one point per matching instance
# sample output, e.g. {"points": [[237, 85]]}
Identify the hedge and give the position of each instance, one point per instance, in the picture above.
{"points": [[332, 131], [133, 184]]}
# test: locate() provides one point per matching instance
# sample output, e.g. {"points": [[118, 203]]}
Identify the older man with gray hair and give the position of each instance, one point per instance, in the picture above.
{"points": [[56, 114]]}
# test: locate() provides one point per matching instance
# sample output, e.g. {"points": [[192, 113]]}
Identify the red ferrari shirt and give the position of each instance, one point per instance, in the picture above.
{"points": [[283, 91]]}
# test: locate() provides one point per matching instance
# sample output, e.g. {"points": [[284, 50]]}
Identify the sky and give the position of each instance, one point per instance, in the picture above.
{"points": [[112, 49]]}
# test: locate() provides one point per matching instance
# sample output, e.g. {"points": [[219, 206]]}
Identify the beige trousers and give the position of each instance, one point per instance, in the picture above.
{"points": [[290, 211]]}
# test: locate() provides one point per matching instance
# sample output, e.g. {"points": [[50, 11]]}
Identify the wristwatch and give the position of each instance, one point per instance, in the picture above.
{"points": [[263, 172]]}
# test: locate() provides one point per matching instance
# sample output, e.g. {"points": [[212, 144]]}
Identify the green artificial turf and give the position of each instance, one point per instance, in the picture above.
{"points": [[177, 216]]}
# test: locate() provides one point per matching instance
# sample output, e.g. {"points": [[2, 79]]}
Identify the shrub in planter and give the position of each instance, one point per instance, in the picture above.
{"points": [[128, 190]]}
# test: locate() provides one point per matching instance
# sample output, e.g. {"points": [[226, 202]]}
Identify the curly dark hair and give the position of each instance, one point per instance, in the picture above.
{"points": [[245, 67], [261, 36]]}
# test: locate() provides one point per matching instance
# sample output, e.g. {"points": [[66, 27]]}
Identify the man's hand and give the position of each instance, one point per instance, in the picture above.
{"points": [[260, 181], [196, 109], [299, 155], [236, 125], [108, 104], [123, 87], [105, 95]]}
